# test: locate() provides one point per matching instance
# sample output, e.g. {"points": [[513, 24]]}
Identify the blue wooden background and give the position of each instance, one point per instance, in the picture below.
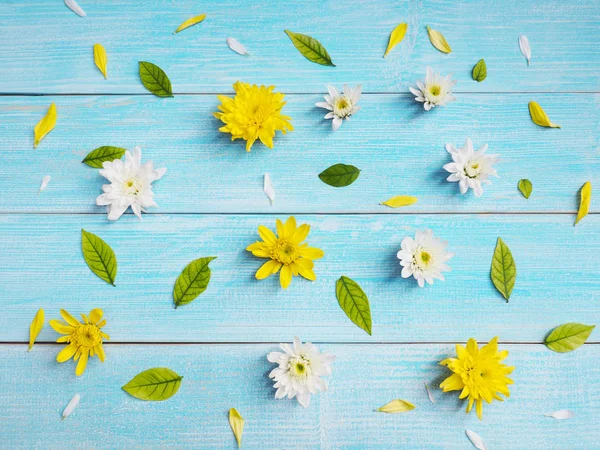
{"points": [[211, 202]]}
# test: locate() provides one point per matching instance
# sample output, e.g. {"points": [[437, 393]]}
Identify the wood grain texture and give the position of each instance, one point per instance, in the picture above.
{"points": [[397, 145], [557, 281], [48, 49], [219, 377]]}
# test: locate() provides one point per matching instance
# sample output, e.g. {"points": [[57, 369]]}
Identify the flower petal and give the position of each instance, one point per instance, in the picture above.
{"points": [[268, 269], [285, 277], [66, 353]]}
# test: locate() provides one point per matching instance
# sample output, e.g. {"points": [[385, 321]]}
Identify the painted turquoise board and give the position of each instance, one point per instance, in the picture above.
{"points": [[396, 144], [219, 377], [557, 277], [48, 49], [211, 202]]}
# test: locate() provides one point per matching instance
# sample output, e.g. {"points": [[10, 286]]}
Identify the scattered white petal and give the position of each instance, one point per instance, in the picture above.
{"points": [[475, 440], [436, 90], [45, 182], [429, 394], [235, 45], [71, 406], [73, 6], [525, 47], [561, 415], [268, 187]]}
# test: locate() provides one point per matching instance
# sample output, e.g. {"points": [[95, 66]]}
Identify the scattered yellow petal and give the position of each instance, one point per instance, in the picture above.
{"points": [[438, 40], [539, 117], [191, 21], [399, 200], [584, 203], [237, 425], [36, 326], [44, 126], [396, 406], [100, 59], [396, 37]]}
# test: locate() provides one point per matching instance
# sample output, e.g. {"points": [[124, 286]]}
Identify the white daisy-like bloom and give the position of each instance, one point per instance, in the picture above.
{"points": [[340, 106], [130, 184], [424, 257], [471, 169], [436, 91], [300, 370]]}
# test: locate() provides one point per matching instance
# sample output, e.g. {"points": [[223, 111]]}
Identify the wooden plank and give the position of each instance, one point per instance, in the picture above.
{"points": [[398, 147], [219, 377], [42, 266], [48, 49]]}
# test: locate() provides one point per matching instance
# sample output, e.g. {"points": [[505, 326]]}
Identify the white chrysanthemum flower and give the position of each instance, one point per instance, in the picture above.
{"points": [[130, 184], [424, 257], [340, 106], [300, 370], [471, 169], [436, 91]]}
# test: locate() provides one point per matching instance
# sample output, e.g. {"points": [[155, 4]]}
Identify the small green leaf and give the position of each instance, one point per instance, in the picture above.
{"points": [[504, 270], [155, 79], [193, 281], [396, 406], [568, 337], [155, 384], [525, 187], [339, 175], [99, 257], [479, 71], [96, 157], [354, 303], [310, 48]]}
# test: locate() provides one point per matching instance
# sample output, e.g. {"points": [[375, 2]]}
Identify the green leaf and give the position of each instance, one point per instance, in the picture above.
{"points": [[504, 270], [354, 303], [155, 79], [525, 187], [568, 337], [310, 48], [99, 257], [479, 71], [193, 281], [155, 384], [96, 157], [339, 175]]}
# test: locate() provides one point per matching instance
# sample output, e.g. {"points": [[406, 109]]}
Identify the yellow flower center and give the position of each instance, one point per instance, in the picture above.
{"points": [[435, 89], [285, 251], [472, 170], [299, 368], [87, 336], [132, 187], [343, 107], [423, 258]]}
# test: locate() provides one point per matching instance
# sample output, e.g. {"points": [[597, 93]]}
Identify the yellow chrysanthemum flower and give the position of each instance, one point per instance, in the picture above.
{"points": [[254, 113], [85, 339], [286, 252], [478, 373]]}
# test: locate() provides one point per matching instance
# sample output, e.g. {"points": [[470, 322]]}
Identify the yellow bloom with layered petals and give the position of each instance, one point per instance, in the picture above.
{"points": [[478, 373], [286, 251], [84, 339], [254, 113]]}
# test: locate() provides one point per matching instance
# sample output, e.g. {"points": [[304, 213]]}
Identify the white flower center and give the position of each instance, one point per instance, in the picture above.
{"points": [[473, 169], [343, 107], [132, 187], [299, 368]]}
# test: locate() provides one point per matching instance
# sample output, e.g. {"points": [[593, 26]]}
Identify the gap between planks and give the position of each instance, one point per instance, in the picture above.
{"points": [[404, 93], [425, 343], [308, 213]]}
